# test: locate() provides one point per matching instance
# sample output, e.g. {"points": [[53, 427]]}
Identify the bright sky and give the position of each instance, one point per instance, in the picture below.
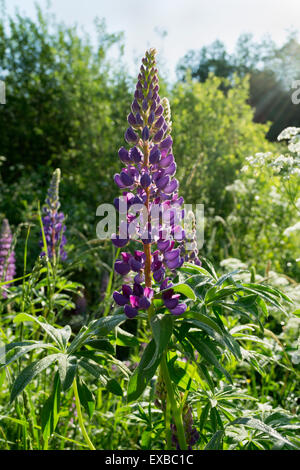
{"points": [[190, 24]]}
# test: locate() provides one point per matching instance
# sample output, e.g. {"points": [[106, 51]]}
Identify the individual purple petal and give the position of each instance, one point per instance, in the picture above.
{"points": [[179, 310], [166, 143], [161, 183], [119, 242], [145, 134], [159, 110], [131, 120], [122, 268], [134, 301], [135, 106], [136, 155], [130, 312], [126, 179], [145, 180], [171, 187], [171, 169], [173, 263], [145, 105], [120, 299], [163, 245], [172, 302], [139, 119], [155, 155], [151, 118], [135, 265], [160, 122], [169, 255], [158, 136], [159, 274], [139, 278], [131, 137], [144, 303], [138, 290], [127, 291], [118, 181]]}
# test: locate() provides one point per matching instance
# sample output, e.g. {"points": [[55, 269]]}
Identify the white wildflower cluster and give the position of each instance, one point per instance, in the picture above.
{"points": [[283, 165], [237, 187], [293, 228], [288, 133]]}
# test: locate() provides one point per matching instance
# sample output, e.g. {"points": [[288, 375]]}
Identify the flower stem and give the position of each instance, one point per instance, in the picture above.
{"points": [[171, 397], [80, 418]]}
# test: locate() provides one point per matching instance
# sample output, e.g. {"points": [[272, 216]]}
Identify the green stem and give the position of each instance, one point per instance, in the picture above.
{"points": [[80, 419], [175, 410]]}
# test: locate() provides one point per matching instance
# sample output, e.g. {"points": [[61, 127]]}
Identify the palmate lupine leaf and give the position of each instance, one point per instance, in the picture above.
{"points": [[258, 425]]}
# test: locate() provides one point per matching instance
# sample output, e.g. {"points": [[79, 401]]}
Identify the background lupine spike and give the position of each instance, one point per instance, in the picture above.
{"points": [[53, 221], [148, 173], [53, 192], [7, 254]]}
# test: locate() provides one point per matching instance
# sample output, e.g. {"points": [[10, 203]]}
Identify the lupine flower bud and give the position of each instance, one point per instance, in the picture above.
{"points": [[131, 120], [145, 133], [135, 106], [124, 155], [131, 136], [7, 255], [151, 118]]}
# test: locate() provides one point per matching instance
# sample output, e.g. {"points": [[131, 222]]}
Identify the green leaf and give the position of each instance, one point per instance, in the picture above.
{"points": [[206, 352], [102, 344], [216, 441], [124, 338], [260, 426], [50, 410], [214, 296], [226, 276], [200, 319], [140, 378], [29, 373], [204, 416], [162, 327], [114, 387], [86, 397], [104, 325], [184, 289], [59, 335], [99, 327], [67, 368], [94, 369], [7, 358]]}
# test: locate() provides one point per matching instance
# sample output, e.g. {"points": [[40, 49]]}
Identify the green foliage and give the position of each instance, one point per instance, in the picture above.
{"points": [[232, 358]]}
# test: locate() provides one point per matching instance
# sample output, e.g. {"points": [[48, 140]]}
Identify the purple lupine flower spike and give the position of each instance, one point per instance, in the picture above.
{"points": [[148, 176], [7, 255], [53, 221]]}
